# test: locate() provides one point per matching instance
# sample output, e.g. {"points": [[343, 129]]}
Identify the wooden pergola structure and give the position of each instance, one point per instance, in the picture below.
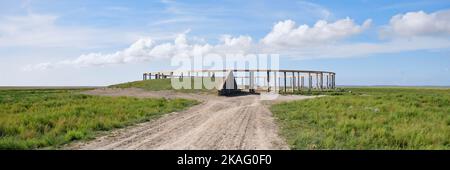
{"points": [[252, 80]]}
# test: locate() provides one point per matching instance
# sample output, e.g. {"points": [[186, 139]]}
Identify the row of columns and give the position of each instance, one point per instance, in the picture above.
{"points": [[297, 80], [148, 76]]}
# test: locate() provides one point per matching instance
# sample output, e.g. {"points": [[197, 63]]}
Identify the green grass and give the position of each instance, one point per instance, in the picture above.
{"points": [[314, 92], [162, 84], [369, 118], [45, 118]]}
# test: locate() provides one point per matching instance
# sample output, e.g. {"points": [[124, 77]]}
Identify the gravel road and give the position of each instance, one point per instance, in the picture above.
{"points": [[242, 122]]}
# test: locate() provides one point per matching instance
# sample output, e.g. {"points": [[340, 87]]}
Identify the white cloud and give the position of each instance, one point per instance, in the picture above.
{"points": [[286, 39], [145, 49], [419, 24], [287, 33]]}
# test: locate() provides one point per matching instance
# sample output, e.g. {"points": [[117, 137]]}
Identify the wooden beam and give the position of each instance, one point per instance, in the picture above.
{"points": [[285, 82], [252, 81]]}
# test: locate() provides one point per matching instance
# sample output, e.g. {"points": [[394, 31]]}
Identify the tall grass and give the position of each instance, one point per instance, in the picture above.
{"points": [[50, 118], [369, 118]]}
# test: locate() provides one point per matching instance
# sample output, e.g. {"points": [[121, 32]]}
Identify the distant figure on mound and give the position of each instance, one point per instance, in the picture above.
{"points": [[228, 85]]}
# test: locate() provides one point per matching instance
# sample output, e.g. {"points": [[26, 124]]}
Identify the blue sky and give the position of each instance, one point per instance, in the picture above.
{"points": [[101, 42]]}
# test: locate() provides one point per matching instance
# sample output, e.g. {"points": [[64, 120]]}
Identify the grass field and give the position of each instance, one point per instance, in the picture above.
{"points": [[49, 118], [369, 118], [162, 84]]}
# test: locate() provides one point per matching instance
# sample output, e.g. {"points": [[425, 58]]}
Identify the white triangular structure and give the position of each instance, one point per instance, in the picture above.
{"points": [[228, 84]]}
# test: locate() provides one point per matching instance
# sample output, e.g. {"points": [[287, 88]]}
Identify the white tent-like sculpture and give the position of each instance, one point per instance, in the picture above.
{"points": [[228, 85]]}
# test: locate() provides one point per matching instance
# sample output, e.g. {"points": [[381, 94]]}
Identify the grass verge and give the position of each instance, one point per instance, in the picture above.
{"points": [[368, 118], [47, 118]]}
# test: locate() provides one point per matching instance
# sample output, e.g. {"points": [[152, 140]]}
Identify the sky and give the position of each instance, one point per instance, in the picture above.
{"points": [[103, 42]]}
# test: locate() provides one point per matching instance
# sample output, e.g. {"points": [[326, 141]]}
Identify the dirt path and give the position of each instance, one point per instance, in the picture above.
{"points": [[242, 122]]}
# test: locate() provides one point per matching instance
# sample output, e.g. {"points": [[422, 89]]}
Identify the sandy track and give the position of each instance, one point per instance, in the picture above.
{"points": [[242, 122]]}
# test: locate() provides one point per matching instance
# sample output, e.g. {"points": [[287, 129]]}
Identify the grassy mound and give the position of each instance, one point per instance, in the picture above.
{"points": [[163, 84], [369, 118]]}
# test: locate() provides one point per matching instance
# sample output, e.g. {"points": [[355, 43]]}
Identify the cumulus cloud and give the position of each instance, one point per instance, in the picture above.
{"points": [[287, 33], [146, 49], [419, 24], [285, 38]]}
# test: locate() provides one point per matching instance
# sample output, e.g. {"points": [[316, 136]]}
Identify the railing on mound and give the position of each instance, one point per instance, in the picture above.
{"points": [[255, 80]]}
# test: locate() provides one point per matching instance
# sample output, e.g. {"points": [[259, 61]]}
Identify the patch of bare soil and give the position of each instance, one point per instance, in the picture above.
{"points": [[242, 122]]}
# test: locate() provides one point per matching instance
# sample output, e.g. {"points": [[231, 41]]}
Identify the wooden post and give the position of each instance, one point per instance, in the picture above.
{"points": [[293, 81], [331, 80], [328, 83], [334, 80], [285, 82], [303, 82], [298, 80], [321, 81], [268, 81], [275, 81], [317, 80], [279, 83], [310, 81], [251, 81]]}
